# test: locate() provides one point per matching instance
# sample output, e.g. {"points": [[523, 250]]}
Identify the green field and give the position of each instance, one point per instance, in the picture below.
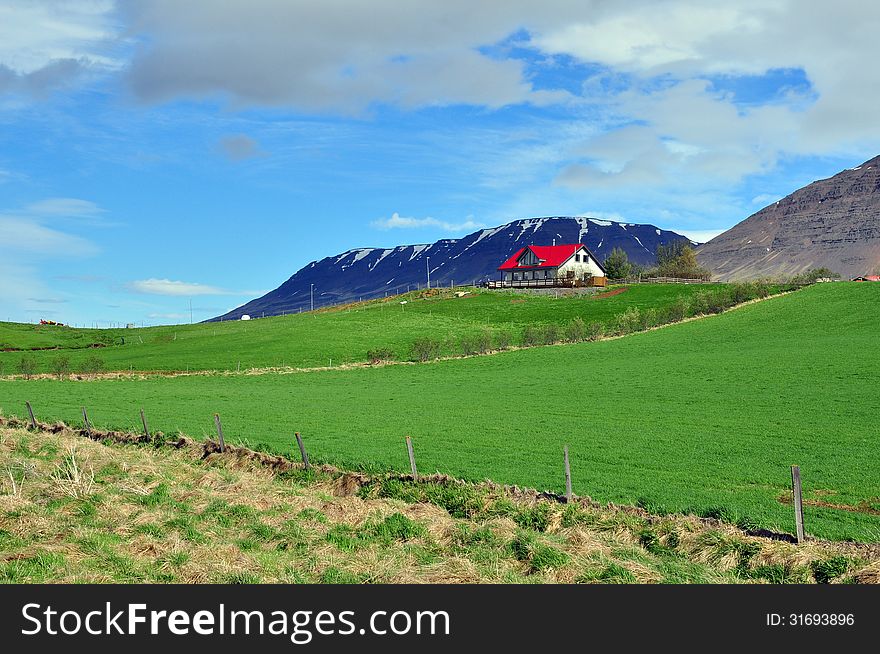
{"points": [[312, 339], [706, 416]]}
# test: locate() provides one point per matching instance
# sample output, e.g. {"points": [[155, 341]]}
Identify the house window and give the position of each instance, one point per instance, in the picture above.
{"points": [[516, 276]]}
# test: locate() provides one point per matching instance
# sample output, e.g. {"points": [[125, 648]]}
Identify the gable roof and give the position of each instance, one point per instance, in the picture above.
{"points": [[549, 256]]}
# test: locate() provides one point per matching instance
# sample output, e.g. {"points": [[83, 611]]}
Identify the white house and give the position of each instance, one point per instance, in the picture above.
{"points": [[551, 265]]}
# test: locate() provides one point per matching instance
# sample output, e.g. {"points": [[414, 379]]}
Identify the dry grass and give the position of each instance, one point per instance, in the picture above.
{"points": [[76, 510]]}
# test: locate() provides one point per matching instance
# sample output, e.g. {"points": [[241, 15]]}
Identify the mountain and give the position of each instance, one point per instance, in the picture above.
{"points": [[374, 272], [832, 223]]}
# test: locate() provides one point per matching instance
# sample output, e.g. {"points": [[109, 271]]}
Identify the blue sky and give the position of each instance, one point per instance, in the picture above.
{"points": [[156, 155]]}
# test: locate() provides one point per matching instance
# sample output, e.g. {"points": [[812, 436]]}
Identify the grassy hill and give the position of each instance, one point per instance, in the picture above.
{"points": [[75, 511], [706, 416], [343, 334]]}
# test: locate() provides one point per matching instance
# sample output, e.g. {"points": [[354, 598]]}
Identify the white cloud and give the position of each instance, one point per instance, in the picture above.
{"points": [[173, 288], [396, 221], [20, 235], [330, 56], [45, 45], [168, 287], [67, 207]]}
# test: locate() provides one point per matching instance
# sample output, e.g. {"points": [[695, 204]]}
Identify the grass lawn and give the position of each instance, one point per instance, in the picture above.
{"points": [[313, 339], [704, 416], [77, 511]]}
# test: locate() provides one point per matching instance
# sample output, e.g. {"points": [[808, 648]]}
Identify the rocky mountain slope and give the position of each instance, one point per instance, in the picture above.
{"points": [[373, 272], [833, 223]]}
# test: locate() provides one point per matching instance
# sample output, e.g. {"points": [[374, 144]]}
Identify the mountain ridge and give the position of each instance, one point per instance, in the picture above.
{"points": [[362, 273], [832, 222]]}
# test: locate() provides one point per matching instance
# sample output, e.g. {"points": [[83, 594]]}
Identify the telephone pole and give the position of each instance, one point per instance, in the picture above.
{"points": [[428, 268], [312, 296]]}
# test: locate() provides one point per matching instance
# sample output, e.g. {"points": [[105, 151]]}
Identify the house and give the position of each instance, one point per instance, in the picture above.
{"points": [[551, 265], [867, 278]]}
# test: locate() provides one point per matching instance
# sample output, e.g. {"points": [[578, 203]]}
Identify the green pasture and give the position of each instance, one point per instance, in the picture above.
{"points": [[314, 339], [705, 416]]}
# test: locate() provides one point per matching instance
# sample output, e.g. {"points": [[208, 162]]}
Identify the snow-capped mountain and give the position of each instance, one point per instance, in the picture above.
{"points": [[365, 273]]}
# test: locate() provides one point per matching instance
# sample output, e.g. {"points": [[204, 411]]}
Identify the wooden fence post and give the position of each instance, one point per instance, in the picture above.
{"points": [[86, 422], [302, 450], [567, 476], [219, 432], [412, 458], [144, 422], [798, 502], [33, 423]]}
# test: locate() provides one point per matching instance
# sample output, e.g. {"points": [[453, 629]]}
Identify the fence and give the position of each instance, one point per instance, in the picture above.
{"points": [[555, 282], [569, 496]]}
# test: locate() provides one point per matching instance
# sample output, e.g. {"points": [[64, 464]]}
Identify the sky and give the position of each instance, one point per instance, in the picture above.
{"points": [[166, 161]]}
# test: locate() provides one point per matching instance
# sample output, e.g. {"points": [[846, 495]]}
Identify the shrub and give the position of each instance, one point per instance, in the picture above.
{"points": [[628, 321], [426, 349], [27, 365], [700, 303], [484, 341], [503, 340], [550, 334], [678, 310], [379, 355], [92, 365], [650, 318], [595, 331], [813, 275], [531, 336], [61, 367], [576, 330], [468, 345]]}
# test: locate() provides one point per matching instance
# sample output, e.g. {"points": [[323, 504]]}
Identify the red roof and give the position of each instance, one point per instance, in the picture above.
{"points": [[550, 256]]}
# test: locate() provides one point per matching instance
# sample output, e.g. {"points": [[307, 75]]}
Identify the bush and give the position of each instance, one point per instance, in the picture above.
{"points": [[92, 365], [813, 275], [550, 334], [531, 336], [503, 340], [484, 341], [426, 349], [576, 330], [629, 321], [27, 365], [61, 367], [595, 331], [678, 310], [379, 355], [468, 345]]}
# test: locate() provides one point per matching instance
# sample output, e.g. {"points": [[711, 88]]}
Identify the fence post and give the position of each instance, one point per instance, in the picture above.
{"points": [[798, 502], [86, 422], [219, 432], [33, 423], [567, 476], [302, 450], [412, 458], [144, 422]]}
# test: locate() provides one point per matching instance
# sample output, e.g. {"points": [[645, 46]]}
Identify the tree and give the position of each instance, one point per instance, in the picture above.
{"points": [[617, 265], [683, 264], [61, 367], [27, 365], [667, 254]]}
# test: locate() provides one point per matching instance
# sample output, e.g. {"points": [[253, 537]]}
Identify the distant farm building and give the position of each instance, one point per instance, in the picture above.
{"points": [[867, 278], [536, 266]]}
